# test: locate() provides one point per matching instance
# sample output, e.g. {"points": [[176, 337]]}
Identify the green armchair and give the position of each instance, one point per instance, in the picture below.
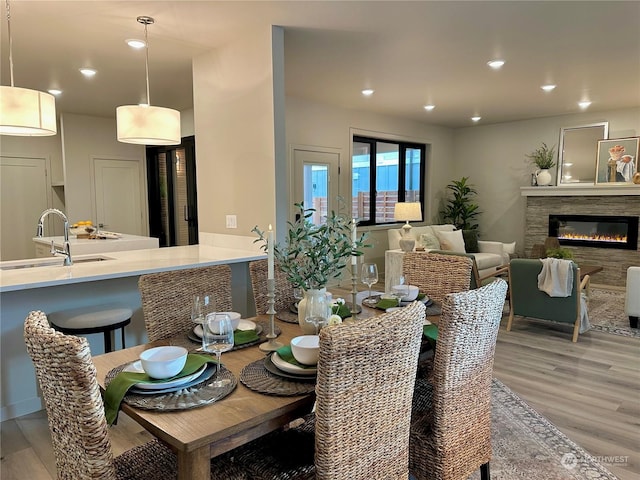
{"points": [[528, 301]]}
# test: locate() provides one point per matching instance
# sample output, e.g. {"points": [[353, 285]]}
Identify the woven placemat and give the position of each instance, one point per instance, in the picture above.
{"points": [[287, 316], [198, 395], [256, 377]]}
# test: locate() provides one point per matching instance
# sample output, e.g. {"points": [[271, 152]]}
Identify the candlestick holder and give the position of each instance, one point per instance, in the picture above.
{"points": [[271, 344], [354, 290]]}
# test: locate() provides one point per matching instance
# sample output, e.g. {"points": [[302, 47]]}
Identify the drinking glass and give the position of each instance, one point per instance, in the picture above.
{"points": [[369, 275], [217, 337], [201, 306], [298, 294], [401, 289], [317, 311]]}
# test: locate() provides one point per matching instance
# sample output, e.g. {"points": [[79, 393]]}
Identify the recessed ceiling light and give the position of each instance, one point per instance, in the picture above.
{"points": [[428, 108], [55, 91], [496, 64], [548, 88], [584, 104], [88, 72], [476, 118], [367, 92], [135, 43]]}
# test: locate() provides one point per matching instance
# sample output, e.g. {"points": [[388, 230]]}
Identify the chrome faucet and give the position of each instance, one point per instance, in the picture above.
{"points": [[54, 251]]}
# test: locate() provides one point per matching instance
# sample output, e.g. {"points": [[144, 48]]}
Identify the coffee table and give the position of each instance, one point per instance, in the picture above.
{"points": [[589, 270]]}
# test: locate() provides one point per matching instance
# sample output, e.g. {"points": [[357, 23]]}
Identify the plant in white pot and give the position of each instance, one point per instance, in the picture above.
{"points": [[312, 255], [542, 158]]}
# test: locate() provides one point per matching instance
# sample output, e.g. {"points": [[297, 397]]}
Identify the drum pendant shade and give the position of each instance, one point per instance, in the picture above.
{"points": [[147, 125]]}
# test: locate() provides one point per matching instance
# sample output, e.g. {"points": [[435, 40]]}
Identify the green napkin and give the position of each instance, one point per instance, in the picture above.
{"points": [[420, 296], [431, 332], [285, 354], [341, 310], [120, 385], [385, 303], [240, 337]]}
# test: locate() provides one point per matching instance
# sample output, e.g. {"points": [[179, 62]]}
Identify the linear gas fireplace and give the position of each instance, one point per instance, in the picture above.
{"points": [[602, 231]]}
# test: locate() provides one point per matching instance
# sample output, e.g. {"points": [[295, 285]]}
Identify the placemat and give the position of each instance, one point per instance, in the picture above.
{"points": [[256, 377], [188, 341], [197, 395], [287, 316]]}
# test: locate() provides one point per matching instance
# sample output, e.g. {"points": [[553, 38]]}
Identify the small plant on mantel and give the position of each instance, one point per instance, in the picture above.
{"points": [[311, 255], [543, 157]]}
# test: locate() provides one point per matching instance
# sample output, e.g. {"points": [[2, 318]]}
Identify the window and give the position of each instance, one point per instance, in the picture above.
{"points": [[385, 172]]}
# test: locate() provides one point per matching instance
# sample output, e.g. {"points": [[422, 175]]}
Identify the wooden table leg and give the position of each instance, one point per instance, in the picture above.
{"points": [[195, 465]]}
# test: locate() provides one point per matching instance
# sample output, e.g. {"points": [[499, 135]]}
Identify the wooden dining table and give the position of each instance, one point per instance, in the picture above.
{"points": [[197, 435]]}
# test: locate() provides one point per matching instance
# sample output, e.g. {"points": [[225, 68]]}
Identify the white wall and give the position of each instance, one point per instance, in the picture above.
{"points": [[493, 157]]}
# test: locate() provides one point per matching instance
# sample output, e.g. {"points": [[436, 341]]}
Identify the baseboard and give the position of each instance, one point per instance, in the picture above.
{"points": [[19, 409]]}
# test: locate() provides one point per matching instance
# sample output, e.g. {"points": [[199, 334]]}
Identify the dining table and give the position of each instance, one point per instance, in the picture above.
{"points": [[199, 434]]}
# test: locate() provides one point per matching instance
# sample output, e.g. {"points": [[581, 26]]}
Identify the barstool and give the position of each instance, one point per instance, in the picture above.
{"points": [[93, 319]]}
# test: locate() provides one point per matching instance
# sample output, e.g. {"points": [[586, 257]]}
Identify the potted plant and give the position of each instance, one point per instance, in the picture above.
{"points": [[460, 209], [542, 158], [312, 255]]}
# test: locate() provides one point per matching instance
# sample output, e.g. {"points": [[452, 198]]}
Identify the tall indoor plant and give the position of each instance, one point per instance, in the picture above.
{"points": [[460, 208], [312, 255]]}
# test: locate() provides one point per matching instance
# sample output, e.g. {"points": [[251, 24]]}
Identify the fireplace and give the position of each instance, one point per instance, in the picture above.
{"points": [[601, 231]]}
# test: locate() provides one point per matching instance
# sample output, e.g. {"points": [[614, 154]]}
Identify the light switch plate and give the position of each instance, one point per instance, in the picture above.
{"points": [[232, 221]]}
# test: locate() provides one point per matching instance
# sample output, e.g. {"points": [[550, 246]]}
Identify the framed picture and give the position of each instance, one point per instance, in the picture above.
{"points": [[617, 160]]}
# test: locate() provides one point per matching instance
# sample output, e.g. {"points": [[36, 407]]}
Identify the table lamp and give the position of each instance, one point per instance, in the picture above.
{"points": [[407, 211]]}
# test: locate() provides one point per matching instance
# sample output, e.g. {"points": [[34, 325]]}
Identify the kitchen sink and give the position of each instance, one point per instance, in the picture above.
{"points": [[50, 262]]}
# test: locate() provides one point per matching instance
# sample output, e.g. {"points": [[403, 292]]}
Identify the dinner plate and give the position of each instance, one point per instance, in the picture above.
{"points": [[426, 300], [291, 368], [269, 365], [243, 325], [205, 373], [136, 367]]}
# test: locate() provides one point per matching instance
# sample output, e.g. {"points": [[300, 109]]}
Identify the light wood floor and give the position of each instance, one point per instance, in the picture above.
{"points": [[590, 390]]}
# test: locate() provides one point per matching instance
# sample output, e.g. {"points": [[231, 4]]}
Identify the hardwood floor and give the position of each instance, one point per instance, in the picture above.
{"points": [[590, 390]]}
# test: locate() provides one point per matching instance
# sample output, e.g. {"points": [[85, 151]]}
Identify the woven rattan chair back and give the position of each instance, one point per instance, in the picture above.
{"points": [[453, 439], [258, 270], [72, 398], [436, 274], [167, 297], [366, 374]]}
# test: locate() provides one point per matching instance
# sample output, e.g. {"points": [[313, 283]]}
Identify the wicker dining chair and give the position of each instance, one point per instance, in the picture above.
{"points": [[360, 431], [451, 414], [75, 412], [258, 271], [167, 297]]}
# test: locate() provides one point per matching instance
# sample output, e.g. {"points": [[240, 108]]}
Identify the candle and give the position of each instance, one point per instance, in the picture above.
{"points": [[354, 234], [270, 254]]}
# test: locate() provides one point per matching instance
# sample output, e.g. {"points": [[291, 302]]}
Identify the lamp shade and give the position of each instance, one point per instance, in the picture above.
{"points": [[25, 112], [147, 125], [407, 211]]}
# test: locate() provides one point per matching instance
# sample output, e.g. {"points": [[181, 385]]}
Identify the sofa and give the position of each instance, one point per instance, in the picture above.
{"points": [[490, 254]]}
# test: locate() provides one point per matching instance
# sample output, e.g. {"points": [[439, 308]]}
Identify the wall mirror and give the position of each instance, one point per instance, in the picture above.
{"points": [[577, 152]]}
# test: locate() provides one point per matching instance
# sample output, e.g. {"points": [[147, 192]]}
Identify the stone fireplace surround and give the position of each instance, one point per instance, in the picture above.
{"points": [[615, 200]]}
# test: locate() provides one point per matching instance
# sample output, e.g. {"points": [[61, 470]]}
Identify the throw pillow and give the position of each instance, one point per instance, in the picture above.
{"points": [[429, 241], [470, 241], [510, 248], [451, 241]]}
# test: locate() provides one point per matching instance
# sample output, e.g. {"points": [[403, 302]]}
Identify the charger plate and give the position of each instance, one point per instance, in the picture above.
{"points": [[256, 377], [184, 398], [285, 366], [136, 367], [271, 367]]}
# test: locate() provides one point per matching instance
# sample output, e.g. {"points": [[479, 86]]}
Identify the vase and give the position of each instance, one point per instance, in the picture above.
{"points": [[543, 177], [308, 328]]}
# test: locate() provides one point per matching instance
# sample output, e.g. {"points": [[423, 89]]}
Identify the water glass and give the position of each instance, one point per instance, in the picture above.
{"points": [[217, 337], [317, 311]]}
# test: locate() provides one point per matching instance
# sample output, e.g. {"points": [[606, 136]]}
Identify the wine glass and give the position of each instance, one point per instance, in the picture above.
{"points": [[201, 306], [369, 275], [317, 311], [298, 295], [401, 289], [217, 337]]}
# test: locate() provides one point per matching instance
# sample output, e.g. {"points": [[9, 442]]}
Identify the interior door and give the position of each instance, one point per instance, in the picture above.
{"points": [[118, 195], [316, 179], [24, 190]]}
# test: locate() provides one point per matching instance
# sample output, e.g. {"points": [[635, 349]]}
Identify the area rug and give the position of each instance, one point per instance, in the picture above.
{"points": [[606, 312], [527, 446]]}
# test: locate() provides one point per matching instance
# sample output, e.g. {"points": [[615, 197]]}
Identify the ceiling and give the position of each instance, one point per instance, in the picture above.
{"points": [[411, 53]]}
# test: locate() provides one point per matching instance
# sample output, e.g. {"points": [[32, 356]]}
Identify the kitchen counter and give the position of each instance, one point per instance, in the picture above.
{"points": [[83, 246]]}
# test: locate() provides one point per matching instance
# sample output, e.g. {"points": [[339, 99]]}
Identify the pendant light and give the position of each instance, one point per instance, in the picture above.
{"points": [[25, 112], [144, 124]]}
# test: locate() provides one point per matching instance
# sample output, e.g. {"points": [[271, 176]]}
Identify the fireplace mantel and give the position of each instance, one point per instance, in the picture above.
{"points": [[581, 190]]}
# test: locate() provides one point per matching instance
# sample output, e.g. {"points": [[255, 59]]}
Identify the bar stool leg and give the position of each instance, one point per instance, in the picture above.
{"points": [[122, 333], [107, 341]]}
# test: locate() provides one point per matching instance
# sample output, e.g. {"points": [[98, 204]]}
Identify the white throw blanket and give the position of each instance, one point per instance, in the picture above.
{"points": [[556, 277]]}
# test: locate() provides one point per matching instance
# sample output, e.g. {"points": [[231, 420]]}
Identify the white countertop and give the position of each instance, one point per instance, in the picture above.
{"points": [[82, 246], [120, 264]]}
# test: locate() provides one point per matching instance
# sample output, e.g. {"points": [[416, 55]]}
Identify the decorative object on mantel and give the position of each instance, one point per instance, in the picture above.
{"points": [[408, 212], [577, 152], [617, 161], [312, 255], [636, 178], [542, 158]]}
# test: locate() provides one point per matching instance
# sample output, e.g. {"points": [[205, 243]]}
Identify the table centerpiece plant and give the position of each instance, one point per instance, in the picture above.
{"points": [[312, 255]]}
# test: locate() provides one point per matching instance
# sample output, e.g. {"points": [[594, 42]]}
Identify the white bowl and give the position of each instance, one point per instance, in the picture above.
{"points": [[163, 362], [412, 292], [233, 316], [305, 349]]}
